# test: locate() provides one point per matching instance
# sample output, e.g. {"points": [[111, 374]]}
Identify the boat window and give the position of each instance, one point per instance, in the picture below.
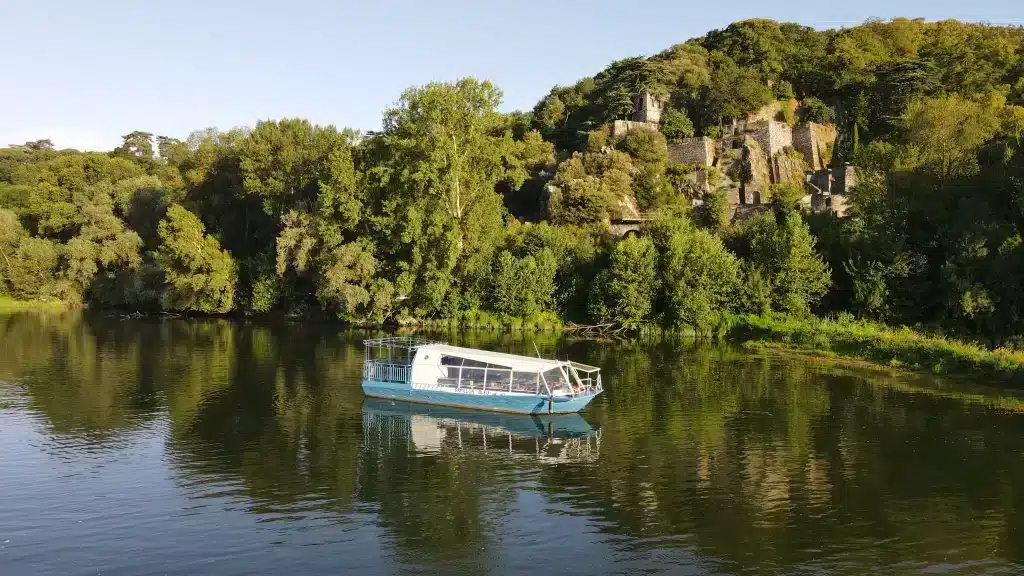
{"points": [[470, 363], [473, 378], [556, 380], [452, 361], [528, 382], [499, 380]]}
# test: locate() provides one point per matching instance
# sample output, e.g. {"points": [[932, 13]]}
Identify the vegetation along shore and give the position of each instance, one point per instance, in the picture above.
{"points": [[756, 178]]}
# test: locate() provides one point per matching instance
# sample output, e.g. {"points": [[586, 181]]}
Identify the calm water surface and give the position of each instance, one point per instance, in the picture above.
{"points": [[188, 447]]}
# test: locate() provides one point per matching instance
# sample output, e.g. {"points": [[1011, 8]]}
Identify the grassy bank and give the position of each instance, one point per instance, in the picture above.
{"points": [[879, 344], [10, 305], [482, 320]]}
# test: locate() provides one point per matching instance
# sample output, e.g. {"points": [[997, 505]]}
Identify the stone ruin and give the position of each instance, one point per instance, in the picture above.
{"points": [[647, 110], [699, 151], [816, 143], [754, 152], [760, 150], [830, 188]]}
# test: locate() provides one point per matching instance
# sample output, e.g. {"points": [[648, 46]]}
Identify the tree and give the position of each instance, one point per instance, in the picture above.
{"points": [[624, 292], [781, 249], [199, 275], [551, 112], [32, 271], [292, 164], [436, 166], [523, 286], [948, 131], [11, 235], [675, 125], [137, 148], [699, 276], [733, 91], [817, 111]]}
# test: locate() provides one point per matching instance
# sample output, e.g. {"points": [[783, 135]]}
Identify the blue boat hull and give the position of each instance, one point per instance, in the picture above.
{"points": [[491, 402]]}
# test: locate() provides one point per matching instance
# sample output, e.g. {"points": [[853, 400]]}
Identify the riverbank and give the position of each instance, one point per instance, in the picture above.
{"points": [[843, 338], [901, 348], [9, 305]]}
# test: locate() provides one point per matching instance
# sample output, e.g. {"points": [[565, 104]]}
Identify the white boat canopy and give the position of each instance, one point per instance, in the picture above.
{"points": [[431, 353]]}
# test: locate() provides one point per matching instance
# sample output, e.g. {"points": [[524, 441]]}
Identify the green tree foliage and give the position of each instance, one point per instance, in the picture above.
{"points": [[624, 292], [436, 165], [947, 132], [138, 149], [524, 286], [591, 186], [199, 275], [818, 111], [699, 276], [733, 92], [781, 249], [676, 125], [33, 268]]}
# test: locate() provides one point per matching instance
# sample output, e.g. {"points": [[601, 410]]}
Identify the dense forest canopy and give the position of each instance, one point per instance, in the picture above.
{"points": [[455, 211]]}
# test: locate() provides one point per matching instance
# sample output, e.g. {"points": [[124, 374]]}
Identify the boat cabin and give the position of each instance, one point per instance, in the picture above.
{"points": [[429, 365]]}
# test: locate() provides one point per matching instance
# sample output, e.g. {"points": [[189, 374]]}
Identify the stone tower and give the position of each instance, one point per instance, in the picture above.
{"points": [[647, 108]]}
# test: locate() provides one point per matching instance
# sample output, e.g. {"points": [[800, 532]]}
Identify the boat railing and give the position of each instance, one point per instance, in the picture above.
{"points": [[386, 371]]}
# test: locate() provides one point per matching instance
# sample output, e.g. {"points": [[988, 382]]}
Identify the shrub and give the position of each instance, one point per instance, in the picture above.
{"points": [[624, 292], [819, 112], [676, 125]]}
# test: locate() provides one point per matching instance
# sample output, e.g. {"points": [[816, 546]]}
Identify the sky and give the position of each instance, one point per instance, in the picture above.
{"points": [[85, 73]]}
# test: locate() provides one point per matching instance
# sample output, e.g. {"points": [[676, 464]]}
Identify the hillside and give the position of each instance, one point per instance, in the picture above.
{"points": [[875, 170]]}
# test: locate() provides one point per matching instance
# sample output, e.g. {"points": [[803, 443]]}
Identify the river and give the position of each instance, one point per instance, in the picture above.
{"points": [[176, 446]]}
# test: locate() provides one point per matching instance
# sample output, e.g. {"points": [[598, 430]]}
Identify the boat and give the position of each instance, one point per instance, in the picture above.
{"points": [[413, 369]]}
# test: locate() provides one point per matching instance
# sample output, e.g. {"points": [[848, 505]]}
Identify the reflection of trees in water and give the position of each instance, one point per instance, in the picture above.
{"points": [[766, 460], [761, 460]]}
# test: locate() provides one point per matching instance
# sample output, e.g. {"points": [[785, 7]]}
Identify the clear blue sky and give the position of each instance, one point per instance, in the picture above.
{"points": [[83, 73]]}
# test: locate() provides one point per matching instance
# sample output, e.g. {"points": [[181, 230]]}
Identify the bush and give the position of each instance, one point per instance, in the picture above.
{"points": [[713, 132], [783, 254], [32, 272], [676, 125], [700, 278], [787, 108], [782, 90], [819, 112], [713, 213], [624, 292]]}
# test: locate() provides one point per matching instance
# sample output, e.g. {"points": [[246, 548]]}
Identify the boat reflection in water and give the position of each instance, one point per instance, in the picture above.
{"points": [[440, 429]]}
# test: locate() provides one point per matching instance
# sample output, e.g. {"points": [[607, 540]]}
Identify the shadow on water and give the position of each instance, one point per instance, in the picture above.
{"points": [[699, 458]]}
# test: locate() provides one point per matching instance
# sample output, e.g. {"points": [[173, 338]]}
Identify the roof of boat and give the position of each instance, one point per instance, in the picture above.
{"points": [[514, 361]]}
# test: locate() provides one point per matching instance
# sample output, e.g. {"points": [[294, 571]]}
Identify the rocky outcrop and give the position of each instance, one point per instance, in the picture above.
{"points": [[788, 167]]}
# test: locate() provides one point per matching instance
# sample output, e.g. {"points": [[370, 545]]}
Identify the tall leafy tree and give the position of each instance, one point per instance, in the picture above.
{"points": [[199, 275], [436, 166]]}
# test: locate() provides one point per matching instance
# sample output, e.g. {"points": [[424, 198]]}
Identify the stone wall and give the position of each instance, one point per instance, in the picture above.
{"points": [[622, 127], [699, 151], [815, 142], [773, 136], [845, 179]]}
